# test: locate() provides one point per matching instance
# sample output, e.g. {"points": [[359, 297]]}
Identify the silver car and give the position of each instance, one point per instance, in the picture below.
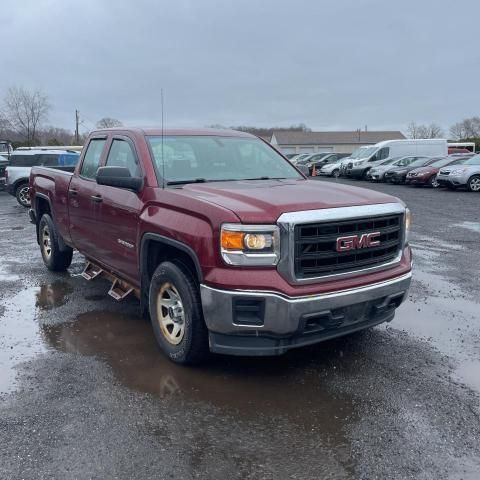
{"points": [[466, 175], [21, 163], [377, 174]]}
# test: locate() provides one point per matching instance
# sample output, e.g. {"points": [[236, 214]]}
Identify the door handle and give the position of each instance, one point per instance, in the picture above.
{"points": [[96, 198], [72, 191]]}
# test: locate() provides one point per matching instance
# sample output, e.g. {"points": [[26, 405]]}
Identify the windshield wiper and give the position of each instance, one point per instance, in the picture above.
{"points": [[184, 182], [264, 178]]}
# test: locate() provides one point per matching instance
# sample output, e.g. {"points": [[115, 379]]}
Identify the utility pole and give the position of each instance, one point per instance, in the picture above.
{"points": [[77, 136]]}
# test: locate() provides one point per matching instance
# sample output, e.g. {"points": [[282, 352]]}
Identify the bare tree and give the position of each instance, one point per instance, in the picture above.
{"points": [[25, 111], [467, 128], [457, 131], [433, 130], [412, 130], [55, 136], [108, 122]]}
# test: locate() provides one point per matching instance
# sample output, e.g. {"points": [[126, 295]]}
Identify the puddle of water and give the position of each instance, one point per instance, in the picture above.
{"points": [[292, 387], [6, 276], [20, 337], [53, 295], [247, 385], [469, 373], [473, 226], [443, 315]]}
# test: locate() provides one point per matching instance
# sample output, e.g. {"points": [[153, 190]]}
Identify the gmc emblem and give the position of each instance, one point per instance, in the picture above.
{"points": [[353, 242]]}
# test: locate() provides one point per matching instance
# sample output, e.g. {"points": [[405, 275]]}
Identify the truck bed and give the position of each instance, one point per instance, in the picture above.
{"points": [[51, 184]]}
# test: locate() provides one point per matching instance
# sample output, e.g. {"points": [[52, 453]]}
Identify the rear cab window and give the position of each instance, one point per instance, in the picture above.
{"points": [[91, 160]]}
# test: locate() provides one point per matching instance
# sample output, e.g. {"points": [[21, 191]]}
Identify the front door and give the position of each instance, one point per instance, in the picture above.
{"points": [[118, 214], [83, 201]]}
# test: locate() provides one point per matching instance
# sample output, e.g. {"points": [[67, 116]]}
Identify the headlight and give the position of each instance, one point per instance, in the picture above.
{"points": [[408, 223], [250, 245]]}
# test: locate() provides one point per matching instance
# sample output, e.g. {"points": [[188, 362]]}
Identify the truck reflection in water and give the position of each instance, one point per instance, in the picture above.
{"points": [[296, 387]]}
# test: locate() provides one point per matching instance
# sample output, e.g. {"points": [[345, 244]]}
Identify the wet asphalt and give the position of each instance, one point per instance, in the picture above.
{"points": [[85, 393]]}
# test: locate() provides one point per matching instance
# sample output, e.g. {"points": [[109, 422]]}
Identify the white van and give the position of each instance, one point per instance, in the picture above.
{"points": [[376, 154]]}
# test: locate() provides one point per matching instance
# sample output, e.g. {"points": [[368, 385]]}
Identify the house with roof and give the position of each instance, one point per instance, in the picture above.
{"points": [[337, 142]]}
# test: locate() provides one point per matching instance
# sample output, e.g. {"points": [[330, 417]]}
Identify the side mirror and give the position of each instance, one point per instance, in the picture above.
{"points": [[118, 177]]}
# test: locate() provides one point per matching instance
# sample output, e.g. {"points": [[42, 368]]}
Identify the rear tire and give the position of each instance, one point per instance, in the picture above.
{"points": [[474, 183], [54, 259], [336, 173], [176, 314], [22, 193]]}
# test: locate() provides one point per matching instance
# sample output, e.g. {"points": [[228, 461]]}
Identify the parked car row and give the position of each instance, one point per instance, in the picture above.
{"points": [[452, 171], [414, 162], [16, 171]]}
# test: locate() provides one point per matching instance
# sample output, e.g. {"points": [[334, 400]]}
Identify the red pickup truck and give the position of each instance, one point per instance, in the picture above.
{"points": [[229, 248]]}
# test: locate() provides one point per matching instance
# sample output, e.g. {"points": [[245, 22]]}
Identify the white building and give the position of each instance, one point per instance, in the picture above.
{"points": [[338, 142]]}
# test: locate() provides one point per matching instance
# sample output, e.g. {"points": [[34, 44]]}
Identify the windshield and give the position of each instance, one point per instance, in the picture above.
{"points": [[473, 161], [303, 160], [389, 161], [442, 162], [363, 152], [188, 159], [420, 162]]}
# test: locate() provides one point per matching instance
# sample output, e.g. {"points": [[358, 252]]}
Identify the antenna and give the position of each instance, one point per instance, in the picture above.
{"points": [[163, 134]]}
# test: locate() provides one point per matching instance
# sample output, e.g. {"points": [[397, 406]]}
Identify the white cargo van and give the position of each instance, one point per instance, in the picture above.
{"points": [[376, 154]]}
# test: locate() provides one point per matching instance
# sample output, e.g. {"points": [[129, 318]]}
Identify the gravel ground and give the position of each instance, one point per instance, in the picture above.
{"points": [[84, 392]]}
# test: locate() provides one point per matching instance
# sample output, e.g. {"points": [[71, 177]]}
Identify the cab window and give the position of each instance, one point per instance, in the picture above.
{"points": [[383, 153], [92, 157], [121, 155]]}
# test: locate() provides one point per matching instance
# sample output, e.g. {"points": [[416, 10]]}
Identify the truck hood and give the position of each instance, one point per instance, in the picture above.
{"points": [[263, 201]]}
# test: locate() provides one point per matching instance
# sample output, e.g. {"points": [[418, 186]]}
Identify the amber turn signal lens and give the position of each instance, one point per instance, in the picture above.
{"points": [[232, 240]]}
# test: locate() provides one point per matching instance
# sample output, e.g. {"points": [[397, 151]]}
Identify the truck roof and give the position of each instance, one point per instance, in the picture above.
{"points": [[218, 132]]}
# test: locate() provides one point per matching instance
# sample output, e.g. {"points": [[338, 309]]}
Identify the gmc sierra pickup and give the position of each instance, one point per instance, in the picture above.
{"points": [[227, 245]]}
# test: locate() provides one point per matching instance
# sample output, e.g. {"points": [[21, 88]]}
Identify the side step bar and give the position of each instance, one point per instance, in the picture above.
{"points": [[119, 289], [91, 271]]}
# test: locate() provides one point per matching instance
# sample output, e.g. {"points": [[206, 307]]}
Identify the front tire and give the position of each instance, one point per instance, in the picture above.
{"points": [[433, 182], [22, 193], [474, 183], [176, 314], [54, 258]]}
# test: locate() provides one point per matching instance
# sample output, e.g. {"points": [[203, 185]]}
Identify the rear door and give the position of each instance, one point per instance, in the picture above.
{"points": [[118, 213], [83, 200]]}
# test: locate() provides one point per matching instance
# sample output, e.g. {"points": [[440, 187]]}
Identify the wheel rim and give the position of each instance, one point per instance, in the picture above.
{"points": [[24, 195], [475, 184], [170, 314], [46, 242], [336, 173], [433, 182]]}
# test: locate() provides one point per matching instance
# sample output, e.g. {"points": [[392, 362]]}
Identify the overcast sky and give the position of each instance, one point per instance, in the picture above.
{"points": [[332, 64]]}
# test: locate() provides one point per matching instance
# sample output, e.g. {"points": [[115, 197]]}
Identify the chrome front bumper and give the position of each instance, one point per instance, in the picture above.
{"points": [[279, 323]]}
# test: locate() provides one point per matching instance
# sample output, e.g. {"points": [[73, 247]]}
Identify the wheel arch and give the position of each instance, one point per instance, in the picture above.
{"points": [[42, 205], [475, 175], [20, 181], [155, 248]]}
